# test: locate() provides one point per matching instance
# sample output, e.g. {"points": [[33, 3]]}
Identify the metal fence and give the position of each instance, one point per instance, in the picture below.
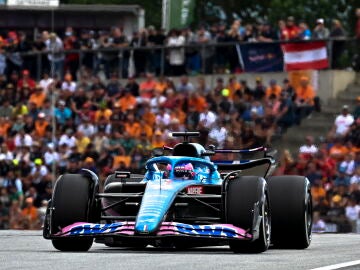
{"points": [[207, 58]]}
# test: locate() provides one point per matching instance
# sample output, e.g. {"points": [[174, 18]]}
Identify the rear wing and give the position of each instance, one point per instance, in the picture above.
{"points": [[252, 153], [262, 167]]}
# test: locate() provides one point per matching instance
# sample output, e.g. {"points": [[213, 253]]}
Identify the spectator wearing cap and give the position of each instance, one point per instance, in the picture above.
{"points": [[41, 125], [62, 113], [38, 97], [89, 163], [320, 31], [343, 121], [26, 80], [291, 28], [273, 89], [38, 171], [305, 98], [51, 156]]}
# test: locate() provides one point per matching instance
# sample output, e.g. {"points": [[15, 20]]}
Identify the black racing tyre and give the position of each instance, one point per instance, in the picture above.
{"points": [[241, 196], [291, 211], [71, 200]]}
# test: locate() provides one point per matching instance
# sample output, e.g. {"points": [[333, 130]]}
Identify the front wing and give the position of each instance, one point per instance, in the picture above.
{"points": [[167, 229]]}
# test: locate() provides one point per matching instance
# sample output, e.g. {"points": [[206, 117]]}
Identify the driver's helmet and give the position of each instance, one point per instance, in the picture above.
{"points": [[185, 171]]}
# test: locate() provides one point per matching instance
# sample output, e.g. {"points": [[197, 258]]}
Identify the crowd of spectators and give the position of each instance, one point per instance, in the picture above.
{"points": [[121, 53], [104, 125], [332, 165]]}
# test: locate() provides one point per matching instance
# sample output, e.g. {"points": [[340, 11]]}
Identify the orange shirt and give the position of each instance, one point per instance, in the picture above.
{"points": [[105, 113], [338, 152], [233, 87], [38, 99], [156, 143], [317, 193], [306, 93], [30, 212], [180, 115], [147, 129], [160, 87], [4, 128], [149, 118], [40, 127], [133, 129], [198, 103], [146, 88], [276, 90], [127, 103]]}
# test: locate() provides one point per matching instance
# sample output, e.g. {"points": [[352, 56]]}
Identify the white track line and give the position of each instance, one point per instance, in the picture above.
{"points": [[338, 266]]}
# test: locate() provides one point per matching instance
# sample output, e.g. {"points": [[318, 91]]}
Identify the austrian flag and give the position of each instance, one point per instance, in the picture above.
{"points": [[309, 55]]}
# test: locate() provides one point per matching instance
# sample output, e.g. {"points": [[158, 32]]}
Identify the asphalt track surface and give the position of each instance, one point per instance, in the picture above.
{"points": [[28, 250]]}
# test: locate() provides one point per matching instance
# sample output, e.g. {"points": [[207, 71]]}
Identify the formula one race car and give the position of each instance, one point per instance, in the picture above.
{"points": [[184, 200]]}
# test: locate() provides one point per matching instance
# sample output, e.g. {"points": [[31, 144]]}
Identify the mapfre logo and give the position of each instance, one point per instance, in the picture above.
{"points": [[194, 190]]}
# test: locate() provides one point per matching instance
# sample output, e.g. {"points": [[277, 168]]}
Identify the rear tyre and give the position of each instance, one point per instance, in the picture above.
{"points": [[242, 197], [291, 211], [72, 202]]}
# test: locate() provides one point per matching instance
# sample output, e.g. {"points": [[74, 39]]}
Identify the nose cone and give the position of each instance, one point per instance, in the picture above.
{"points": [[157, 199]]}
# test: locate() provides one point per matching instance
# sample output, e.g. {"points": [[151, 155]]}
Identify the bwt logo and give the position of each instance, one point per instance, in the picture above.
{"points": [[87, 229], [209, 230]]}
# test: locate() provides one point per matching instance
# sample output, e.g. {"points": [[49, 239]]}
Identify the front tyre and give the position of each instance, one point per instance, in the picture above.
{"points": [[72, 202], [246, 201]]}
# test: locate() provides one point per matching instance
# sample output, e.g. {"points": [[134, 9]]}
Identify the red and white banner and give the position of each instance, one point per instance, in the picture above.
{"points": [[301, 56]]}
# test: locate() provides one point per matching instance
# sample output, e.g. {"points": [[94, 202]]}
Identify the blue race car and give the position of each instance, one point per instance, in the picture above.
{"points": [[186, 198]]}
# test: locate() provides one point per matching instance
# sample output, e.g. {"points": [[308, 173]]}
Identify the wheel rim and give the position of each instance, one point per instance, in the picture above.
{"points": [[266, 220], [308, 217]]}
